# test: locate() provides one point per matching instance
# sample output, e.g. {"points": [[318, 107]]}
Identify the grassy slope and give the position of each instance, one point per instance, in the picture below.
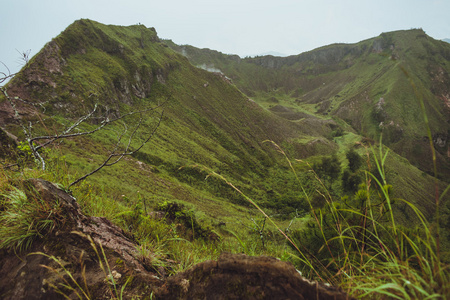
{"points": [[348, 81], [207, 121]]}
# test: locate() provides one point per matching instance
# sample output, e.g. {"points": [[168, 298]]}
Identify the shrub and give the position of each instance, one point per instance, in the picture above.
{"points": [[177, 212], [354, 160], [328, 168], [350, 181], [358, 244]]}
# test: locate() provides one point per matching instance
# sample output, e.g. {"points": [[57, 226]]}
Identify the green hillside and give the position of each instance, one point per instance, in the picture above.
{"points": [[207, 121], [376, 86], [229, 138]]}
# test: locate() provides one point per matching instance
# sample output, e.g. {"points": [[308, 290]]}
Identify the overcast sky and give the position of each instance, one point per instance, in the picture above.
{"points": [[243, 27]]}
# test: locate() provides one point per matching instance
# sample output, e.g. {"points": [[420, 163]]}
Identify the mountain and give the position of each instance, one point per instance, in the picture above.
{"points": [[272, 53], [446, 40], [376, 86], [207, 120], [274, 156], [304, 101]]}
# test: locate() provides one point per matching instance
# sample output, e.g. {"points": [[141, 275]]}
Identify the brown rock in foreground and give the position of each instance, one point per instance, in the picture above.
{"points": [[23, 275], [238, 276]]}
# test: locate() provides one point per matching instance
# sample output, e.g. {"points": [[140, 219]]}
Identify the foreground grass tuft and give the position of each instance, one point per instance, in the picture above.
{"points": [[25, 218]]}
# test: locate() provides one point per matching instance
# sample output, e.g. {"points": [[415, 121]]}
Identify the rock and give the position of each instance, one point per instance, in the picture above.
{"points": [[102, 231], [22, 275], [238, 276]]}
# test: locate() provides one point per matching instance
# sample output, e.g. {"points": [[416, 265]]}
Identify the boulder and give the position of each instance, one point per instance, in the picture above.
{"points": [[238, 276], [73, 249]]}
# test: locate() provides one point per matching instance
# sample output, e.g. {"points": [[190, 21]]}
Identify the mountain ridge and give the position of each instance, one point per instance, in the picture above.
{"points": [[340, 76], [208, 121], [130, 67]]}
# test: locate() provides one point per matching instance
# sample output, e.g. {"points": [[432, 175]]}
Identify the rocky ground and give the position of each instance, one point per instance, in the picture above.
{"points": [[91, 258]]}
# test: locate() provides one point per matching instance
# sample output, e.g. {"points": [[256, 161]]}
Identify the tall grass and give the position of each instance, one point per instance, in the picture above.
{"points": [[388, 259], [25, 218], [69, 284], [363, 248]]}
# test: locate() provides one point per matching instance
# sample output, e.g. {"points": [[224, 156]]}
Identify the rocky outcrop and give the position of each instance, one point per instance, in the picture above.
{"points": [[238, 276], [42, 74], [23, 275]]}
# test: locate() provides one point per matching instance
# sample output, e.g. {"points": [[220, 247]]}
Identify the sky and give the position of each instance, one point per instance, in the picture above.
{"points": [[243, 27]]}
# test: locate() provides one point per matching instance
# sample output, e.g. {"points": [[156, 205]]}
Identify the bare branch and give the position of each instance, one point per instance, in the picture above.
{"points": [[35, 104], [24, 56], [26, 131], [24, 59], [126, 152], [67, 133], [5, 76], [106, 121], [36, 143]]}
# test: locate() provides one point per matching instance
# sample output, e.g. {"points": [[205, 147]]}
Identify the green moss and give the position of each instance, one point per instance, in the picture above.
{"points": [[119, 263]]}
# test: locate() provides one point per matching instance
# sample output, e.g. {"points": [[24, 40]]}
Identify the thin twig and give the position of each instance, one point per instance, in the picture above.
{"points": [[119, 156]]}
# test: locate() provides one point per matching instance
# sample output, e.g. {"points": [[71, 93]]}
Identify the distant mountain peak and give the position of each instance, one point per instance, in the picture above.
{"points": [[271, 53]]}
